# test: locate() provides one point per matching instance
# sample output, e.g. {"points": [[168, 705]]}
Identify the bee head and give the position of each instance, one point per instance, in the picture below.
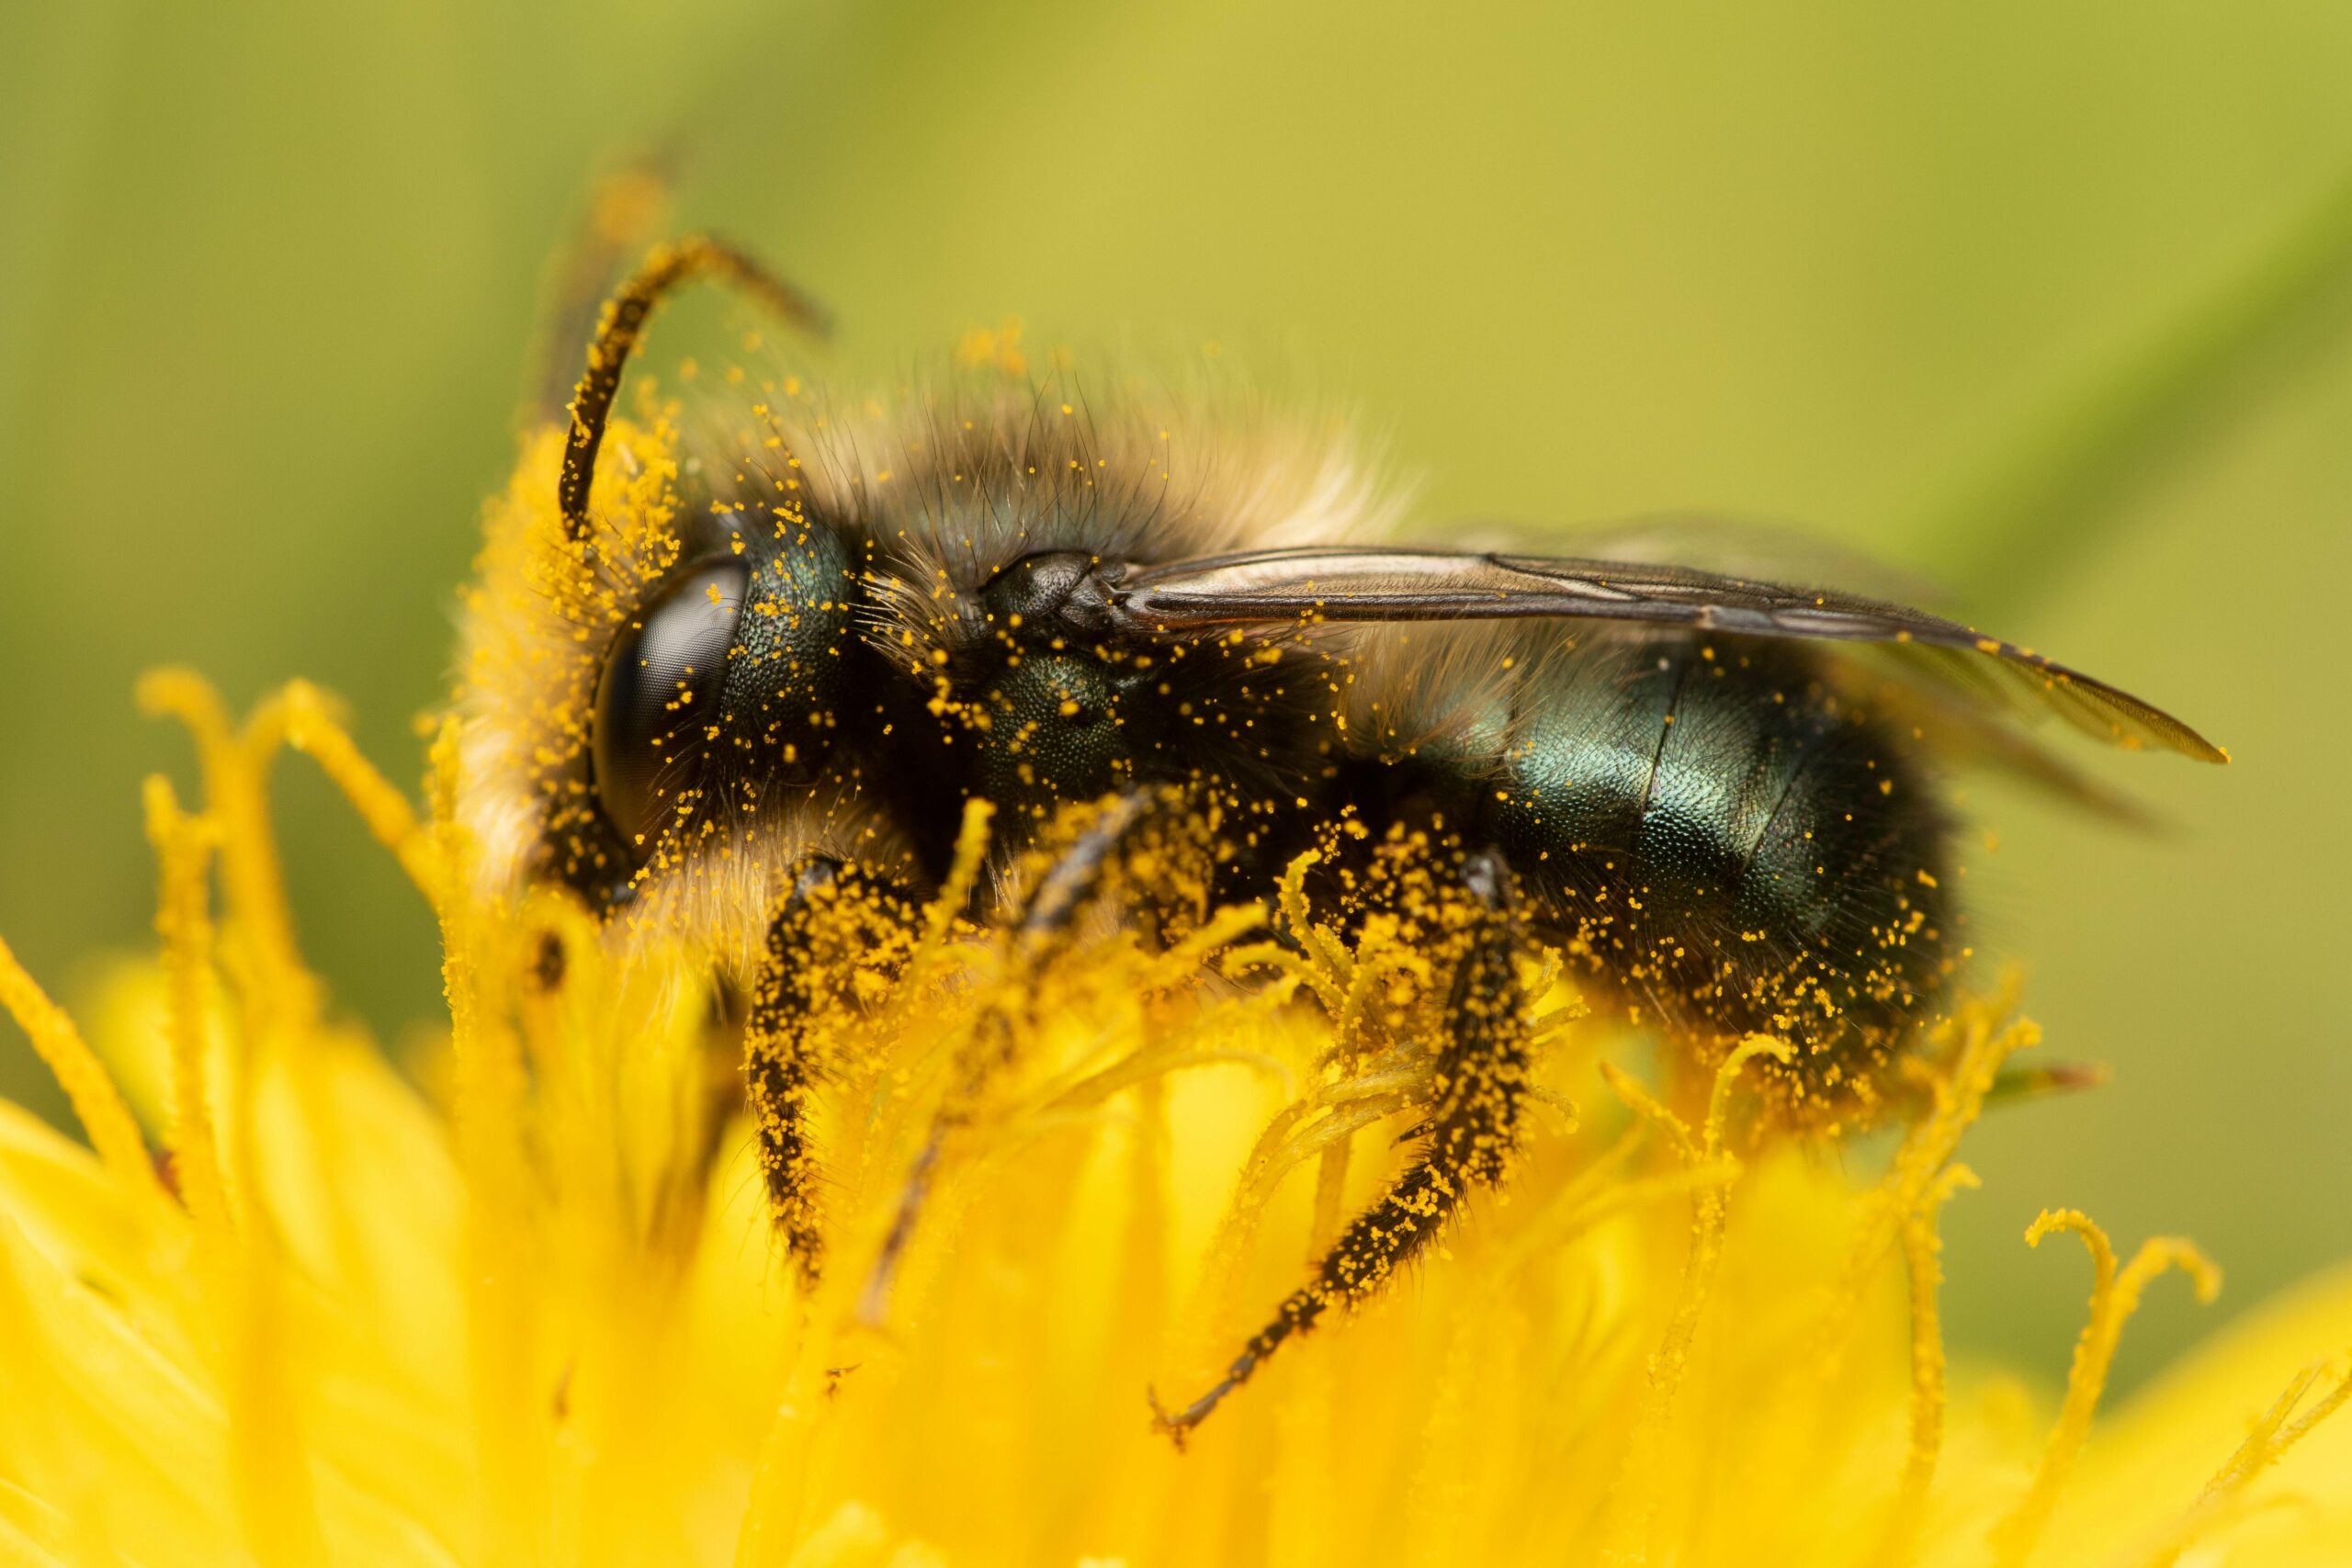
{"points": [[707, 642]]}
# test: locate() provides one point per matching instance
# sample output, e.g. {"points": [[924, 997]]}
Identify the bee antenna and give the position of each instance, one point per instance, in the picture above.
{"points": [[622, 323]]}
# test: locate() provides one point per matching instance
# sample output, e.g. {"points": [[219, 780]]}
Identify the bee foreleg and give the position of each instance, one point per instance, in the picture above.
{"points": [[1469, 1136], [836, 920]]}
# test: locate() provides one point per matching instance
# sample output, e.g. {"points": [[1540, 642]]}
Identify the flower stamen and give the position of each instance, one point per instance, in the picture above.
{"points": [[1923, 1261], [97, 1104], [2278, 1429], [1640, 1479], [184, 847], [312, 729], [2115, 1296]]}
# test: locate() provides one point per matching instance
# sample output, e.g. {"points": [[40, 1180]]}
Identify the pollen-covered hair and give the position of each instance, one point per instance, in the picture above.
{"points": [[922, 497]]}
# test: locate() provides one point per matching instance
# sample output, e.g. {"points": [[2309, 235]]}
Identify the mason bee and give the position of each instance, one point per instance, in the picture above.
{"points": [[759, 656]]}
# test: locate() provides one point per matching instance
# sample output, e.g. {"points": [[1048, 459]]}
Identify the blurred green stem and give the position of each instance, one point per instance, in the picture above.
{"points": [[2046, 506]]}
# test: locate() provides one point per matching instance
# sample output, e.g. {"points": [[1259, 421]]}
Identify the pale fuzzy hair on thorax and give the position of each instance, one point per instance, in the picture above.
{"points": [[956, 478], [942, 486]]}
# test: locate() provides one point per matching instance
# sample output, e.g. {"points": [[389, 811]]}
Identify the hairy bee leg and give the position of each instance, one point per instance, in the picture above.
{"points": [[1046, 925], [1481, 1077], [836, 919], [1063, 891]]}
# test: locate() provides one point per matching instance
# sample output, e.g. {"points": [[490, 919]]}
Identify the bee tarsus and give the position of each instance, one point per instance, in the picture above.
{"points": [[1467, 1138]]}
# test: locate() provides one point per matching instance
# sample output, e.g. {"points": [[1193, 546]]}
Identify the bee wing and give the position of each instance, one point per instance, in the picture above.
{"points": [[1312, 586], [1963, 731], [1729, 544], [1954, 718]]}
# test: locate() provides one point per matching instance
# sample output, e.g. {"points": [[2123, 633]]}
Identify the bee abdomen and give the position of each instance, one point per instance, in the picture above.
{"points": [[1736, 848]]}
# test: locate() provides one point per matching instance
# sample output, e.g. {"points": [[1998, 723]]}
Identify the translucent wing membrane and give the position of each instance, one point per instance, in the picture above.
{"points": [[1758, 548], [1371, 585]]}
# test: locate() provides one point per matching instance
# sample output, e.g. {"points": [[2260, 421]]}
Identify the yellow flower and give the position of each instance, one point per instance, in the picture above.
{"points": [[534, 1313]]}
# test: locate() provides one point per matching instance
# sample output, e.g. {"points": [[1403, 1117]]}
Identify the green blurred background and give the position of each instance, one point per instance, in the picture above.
{"points": [[2047, 300]]}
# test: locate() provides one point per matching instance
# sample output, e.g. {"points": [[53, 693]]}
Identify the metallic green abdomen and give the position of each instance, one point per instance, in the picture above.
{"points": [[1737, 845]]}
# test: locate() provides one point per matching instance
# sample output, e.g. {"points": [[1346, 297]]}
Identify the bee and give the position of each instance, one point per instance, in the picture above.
{"points": [[758, 656]]}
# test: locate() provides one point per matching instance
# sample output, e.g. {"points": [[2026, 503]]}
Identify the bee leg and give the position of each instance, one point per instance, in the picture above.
{"points": [[1047, 922], [1481, 1079], [837, 921]]}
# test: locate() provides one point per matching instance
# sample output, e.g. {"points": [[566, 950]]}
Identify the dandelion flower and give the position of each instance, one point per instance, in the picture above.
{"points": [[522, 1304]]}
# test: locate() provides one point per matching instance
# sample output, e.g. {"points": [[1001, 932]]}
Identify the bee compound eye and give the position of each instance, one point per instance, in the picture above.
{"points": [[658, 698]]}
